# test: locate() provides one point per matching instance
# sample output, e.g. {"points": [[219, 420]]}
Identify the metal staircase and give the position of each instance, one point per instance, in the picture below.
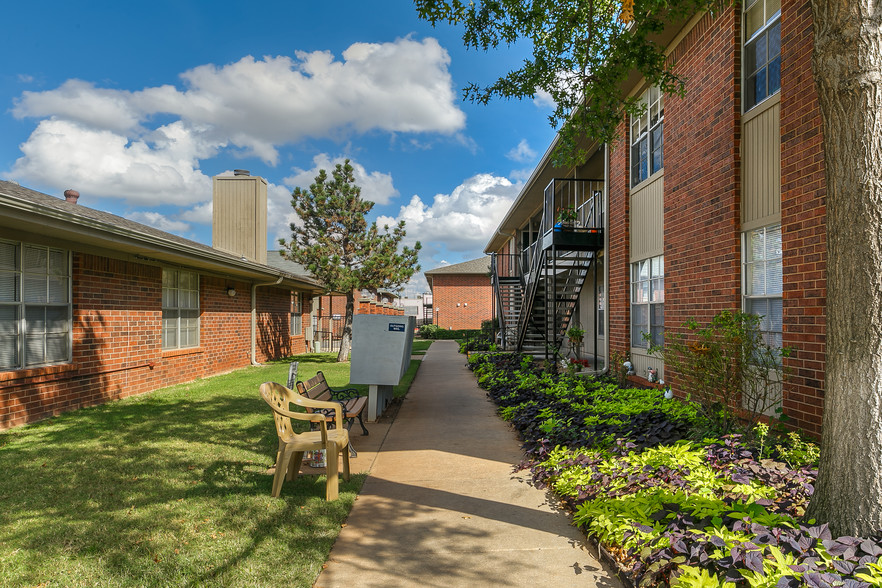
{"points": [[557, 284], [538, 290]]}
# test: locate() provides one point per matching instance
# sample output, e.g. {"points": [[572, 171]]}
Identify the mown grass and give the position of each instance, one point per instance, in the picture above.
{"points": [[169, 488], [420, 346]]}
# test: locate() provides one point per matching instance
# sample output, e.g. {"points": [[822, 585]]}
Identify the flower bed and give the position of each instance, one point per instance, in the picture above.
{"points": [[672, 510]]}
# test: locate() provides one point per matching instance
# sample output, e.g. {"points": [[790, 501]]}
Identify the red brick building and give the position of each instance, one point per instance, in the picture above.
{"points": [[462, 294], [712, 201], [95, 307], [329, 310]]}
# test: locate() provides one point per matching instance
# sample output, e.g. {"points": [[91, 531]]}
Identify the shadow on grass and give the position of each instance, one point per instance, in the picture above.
{"points": [[167, 489], [309, 358]]}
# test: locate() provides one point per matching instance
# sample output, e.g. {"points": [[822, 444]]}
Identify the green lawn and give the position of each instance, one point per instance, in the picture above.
{"points": [[169, 488], [420, 346]]}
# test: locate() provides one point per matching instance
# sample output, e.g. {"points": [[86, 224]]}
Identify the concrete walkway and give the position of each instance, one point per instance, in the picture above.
{"points": [[441, 506]]}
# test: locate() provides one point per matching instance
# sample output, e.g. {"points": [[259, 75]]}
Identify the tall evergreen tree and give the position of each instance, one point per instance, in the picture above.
{"points": [[584, 50], [337, 245]]}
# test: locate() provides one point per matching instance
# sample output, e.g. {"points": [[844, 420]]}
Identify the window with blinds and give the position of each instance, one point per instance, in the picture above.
{"points": [[35, 305], [763, 281], [648, 301], [296, 314], [180, 309]]}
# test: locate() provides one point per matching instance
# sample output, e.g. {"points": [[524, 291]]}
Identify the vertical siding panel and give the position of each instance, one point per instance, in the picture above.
{"points": [[647, 220], [762, 168]]}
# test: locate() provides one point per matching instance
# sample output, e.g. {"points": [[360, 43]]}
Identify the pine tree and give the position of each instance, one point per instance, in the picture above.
{"points": [[337, 245]]}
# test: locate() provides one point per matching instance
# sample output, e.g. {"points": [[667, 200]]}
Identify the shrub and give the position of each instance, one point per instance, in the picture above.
{"points": [[436, 332], [727, 368]]}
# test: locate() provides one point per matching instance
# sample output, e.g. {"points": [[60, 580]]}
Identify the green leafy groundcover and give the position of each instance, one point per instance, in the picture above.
{"points": [[672, 510]]}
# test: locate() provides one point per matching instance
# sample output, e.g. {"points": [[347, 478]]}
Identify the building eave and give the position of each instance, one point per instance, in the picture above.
{"points": [[69, 229], [531, 196]]}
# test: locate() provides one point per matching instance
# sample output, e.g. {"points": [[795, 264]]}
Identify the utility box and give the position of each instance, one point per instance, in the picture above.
{"points": [[381, 349]]}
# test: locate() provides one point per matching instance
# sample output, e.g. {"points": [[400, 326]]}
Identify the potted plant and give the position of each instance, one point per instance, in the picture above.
{"points": [[575, 334], [566, 217]]}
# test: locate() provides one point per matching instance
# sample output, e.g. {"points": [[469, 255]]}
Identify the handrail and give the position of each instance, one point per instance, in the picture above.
{"points": [[531, 283]]}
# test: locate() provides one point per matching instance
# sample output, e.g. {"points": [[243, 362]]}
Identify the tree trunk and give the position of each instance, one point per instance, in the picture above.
{"points": [[346, 337], [847, 65]]}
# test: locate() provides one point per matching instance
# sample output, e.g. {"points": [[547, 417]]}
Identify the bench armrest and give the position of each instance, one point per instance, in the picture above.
{"points": [[345, 393]]}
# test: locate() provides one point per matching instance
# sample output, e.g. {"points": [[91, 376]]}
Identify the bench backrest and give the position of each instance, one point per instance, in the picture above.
{"points": [[315, 388]]}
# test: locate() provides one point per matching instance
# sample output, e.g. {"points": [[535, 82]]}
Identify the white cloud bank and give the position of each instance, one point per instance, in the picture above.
{"points": [[101, 140], [523, 153], [375, 186], [464, 220]]}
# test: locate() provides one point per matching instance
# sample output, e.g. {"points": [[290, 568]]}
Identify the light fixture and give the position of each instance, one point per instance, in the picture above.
{"points": [[231, 291]]}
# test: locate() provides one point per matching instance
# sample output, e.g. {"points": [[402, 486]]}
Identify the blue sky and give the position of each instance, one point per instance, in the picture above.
{"points": [[138, 104]]}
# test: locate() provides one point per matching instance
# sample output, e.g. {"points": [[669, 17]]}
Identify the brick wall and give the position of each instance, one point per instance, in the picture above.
{"points": [[803, 210], [117, 346], [618, 254], [472, 292], [702, 176]]}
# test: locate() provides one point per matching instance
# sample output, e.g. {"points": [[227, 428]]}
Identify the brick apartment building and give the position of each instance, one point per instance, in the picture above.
{"points": [[462, 294], [713, 201], [95, 307], [329, 310]]}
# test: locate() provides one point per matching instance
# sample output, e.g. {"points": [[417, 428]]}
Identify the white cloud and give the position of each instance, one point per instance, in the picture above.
{"points": [[80, 101], [101, 140], [159, 221], [462, 221], [154, 170], [543, 99], [375, 186], [522, 153], [280, 215], [201, 213], [258, 104]]}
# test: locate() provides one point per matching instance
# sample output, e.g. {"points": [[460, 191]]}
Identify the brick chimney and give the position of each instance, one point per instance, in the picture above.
{"points": [[239, 215], [71, 196]]}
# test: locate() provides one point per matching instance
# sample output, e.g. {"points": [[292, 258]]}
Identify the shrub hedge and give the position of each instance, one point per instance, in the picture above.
{"points": [[671, 507]]}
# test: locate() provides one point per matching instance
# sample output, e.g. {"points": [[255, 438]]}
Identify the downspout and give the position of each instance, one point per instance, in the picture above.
{"points": [[254, 318], [606, 216]]}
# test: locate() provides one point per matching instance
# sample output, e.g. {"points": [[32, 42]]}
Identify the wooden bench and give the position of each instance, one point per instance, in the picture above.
{"points": [[352, 402]]}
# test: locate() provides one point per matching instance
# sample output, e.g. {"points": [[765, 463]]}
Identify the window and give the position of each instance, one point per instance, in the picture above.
{"points": [[648, 301], [35, 310], [601, 323], [647, 138], [762, 50], [180, 309], [296, 313], [763, 282]]}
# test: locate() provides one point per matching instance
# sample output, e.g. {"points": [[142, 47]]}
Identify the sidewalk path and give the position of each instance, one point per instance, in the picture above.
{"points": [[441, 506]]}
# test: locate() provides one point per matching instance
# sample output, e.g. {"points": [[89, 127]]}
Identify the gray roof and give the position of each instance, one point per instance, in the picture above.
{"points": [[32, 211], [274, 259], [475, 266]]}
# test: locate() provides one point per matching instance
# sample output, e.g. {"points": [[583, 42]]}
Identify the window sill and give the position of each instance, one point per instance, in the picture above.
{"points": [[49, 370], [761, 106], [179, 352], [643, 184]]}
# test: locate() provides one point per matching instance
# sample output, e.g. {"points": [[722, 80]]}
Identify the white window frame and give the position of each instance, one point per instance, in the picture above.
{"points": [[766, 29], [28, 290], [756, 282], [647, 137], [296, 322], [180, 302], [648, 293]]}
